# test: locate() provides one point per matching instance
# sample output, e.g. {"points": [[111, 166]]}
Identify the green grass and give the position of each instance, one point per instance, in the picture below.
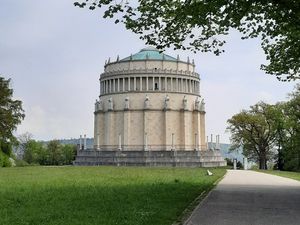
{"points": [[99, 195], [292, 175]]}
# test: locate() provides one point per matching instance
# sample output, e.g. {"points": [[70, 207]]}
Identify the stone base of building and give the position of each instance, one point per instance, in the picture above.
{"points": [[208, 158]]}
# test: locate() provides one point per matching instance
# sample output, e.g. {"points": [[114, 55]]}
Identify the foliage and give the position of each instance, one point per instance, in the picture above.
{"points": [[254, 130], [53, 153], [266, 129], [68, 154], [4, 160], [92, 195], [229, 162], [11, 112], [6, 147], [21, 163], [202, 25], [32, 153], [291, 144]]}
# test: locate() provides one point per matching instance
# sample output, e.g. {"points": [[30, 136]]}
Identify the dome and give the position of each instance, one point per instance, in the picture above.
{"points": [[150, 53]]}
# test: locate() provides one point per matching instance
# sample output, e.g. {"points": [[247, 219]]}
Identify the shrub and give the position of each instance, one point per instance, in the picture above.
{"points": [[4, 160], [21, 163]]}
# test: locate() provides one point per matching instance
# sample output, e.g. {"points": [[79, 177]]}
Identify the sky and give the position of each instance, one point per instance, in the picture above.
{"points": [[55, 52]]}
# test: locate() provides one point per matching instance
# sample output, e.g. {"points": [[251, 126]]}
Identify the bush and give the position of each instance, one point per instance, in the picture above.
{"points": [[4, 160], [21, 163]]}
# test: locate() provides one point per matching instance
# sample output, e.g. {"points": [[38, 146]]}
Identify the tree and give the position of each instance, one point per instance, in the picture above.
{"points": [[32, 151], [68, 153], [291, 145], [55, 153], [11, 112], [254, 131], [23, 139], [202, 24]]}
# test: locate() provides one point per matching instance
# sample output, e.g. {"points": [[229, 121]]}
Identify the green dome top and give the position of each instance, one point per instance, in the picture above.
{"points": [[149, 53]]}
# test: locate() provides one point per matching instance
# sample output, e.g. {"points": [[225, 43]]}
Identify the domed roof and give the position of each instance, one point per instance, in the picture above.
{"points": [[149, 53]]}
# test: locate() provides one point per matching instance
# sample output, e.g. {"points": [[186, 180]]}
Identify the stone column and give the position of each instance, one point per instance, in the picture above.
{"points": [[202, 128], [166, 84], [185, 129], [153, 83], [126, 129], [177, 87], [186, 85], [118, 84], [84, 142], [245, 163], [172, 140], [141, 83], [147, 83], [128, 83], [197, 128], [159, 83], [98, 142], [134, 84], [145, 142], [123, 84], [120, 142], [80, 142], [181, 85], [114, 85], [168, 132], [171, 84], [146, 127]]}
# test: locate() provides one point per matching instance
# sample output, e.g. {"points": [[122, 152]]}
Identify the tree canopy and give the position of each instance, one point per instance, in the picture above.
{"points": [[11, 112], [270, 132], [254, 131], [200, 25]]}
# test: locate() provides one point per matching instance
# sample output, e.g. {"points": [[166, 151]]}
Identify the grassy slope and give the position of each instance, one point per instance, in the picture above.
{"points": [[292, 175], [99, 195]]}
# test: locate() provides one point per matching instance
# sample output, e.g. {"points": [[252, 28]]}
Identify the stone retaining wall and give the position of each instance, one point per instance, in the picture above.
{"points": [[150, 158]]}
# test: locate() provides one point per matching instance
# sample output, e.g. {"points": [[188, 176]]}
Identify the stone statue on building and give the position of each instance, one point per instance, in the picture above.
{"points": [[202, 106], [110, 104], [126, 103], [184, 103], [147, 102], [197, 104], [98, 105], [167, 103]]}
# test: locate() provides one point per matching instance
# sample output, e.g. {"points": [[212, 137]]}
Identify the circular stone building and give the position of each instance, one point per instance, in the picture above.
{"points": [[150, 112]]}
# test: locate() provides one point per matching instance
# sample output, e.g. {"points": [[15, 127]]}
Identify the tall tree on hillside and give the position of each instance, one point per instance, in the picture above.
{"points": [[11, 114], [202, 25], [254, 131]]}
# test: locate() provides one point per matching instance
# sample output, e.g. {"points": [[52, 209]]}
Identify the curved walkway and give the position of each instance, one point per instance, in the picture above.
{"points": [[250, 198]]}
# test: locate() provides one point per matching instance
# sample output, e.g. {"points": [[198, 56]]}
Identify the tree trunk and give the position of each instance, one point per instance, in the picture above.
{"points": [[262, 163]]}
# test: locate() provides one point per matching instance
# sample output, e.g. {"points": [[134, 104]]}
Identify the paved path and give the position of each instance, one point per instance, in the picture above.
{"points": [[250, 198]]}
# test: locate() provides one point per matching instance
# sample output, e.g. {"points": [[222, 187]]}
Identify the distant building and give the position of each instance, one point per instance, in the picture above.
{"points": [[150, 106]]}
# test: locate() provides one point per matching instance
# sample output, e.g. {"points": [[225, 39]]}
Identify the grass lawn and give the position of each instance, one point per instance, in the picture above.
{"points": [[292, 175], [99, 195]]}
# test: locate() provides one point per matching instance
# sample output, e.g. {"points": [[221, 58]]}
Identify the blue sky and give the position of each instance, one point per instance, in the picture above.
{"points": [[54, 53]]}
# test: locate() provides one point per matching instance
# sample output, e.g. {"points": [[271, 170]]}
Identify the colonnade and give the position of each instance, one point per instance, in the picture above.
{"points": [[108, 136], [149, 83]]}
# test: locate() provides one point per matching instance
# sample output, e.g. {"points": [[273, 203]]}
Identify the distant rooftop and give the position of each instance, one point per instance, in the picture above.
{"points": [[149, 53]]}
